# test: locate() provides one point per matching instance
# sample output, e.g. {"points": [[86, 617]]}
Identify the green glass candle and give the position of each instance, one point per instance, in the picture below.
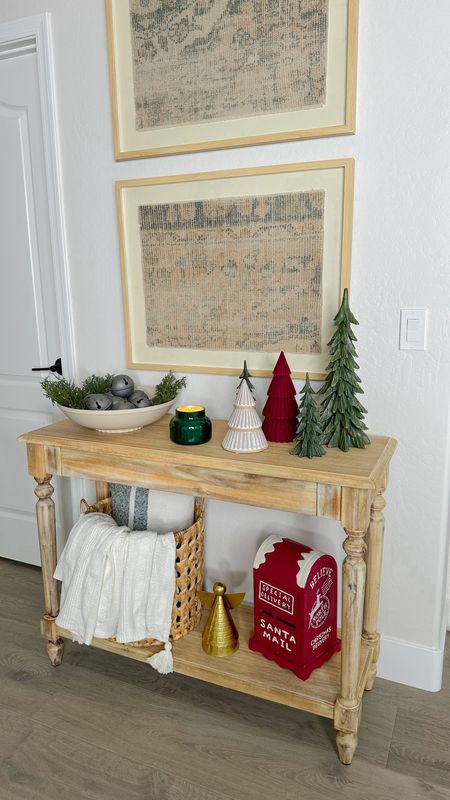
{"points": [[190, 425]]}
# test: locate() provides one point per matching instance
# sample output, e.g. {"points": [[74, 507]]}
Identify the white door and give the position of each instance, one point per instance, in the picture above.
{"points": [[29, 326]]}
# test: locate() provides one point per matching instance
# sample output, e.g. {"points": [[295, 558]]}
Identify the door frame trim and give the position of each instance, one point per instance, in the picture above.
{"points": [[39, 27]]}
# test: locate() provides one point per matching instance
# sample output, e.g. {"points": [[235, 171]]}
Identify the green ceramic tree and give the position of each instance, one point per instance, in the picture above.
{"points": [[342, 418], [308, 435]]}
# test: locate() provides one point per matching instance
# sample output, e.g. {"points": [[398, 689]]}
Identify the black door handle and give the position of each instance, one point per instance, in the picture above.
{"points": [[56, 367]]}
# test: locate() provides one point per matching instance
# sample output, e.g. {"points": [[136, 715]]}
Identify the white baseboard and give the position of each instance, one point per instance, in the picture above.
{"points": [[412, 664]]}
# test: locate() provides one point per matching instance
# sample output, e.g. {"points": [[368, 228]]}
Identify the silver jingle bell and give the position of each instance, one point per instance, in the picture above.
{"points": [[97, 402], [122, 385], [121, 403], [139, 399]]}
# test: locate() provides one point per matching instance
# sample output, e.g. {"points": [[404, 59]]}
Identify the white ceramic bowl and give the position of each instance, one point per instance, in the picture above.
{"points": [[130, 419]]}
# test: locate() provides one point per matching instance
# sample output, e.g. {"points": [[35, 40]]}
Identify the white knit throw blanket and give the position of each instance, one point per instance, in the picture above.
{"points": [[117, 583]]}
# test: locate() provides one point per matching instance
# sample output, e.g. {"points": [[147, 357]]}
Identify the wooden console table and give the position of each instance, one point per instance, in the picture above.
{"points": [[343, 486]]}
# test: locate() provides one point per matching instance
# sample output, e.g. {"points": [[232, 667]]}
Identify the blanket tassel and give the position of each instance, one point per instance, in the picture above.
{"points": [[162, 661]]}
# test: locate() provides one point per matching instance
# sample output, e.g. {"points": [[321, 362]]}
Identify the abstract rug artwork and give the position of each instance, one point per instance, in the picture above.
{"points": [[234, 273], [205, 60]]}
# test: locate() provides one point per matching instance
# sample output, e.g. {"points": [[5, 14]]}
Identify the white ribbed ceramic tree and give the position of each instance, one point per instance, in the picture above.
{"points": [[244, 433]]}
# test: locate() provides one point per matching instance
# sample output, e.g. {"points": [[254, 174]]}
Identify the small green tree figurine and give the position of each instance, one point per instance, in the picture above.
{"points": [[308, 435], [342, 418]]}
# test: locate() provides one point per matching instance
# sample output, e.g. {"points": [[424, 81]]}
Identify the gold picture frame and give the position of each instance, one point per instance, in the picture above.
{"points": [[175, 118], [234, 258]]}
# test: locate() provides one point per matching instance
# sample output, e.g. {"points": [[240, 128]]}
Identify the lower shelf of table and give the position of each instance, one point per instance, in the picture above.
{"points": [[250, 672]]}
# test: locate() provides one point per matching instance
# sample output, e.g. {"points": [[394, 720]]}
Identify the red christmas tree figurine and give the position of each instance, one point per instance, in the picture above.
{"points": [[281, 409]]}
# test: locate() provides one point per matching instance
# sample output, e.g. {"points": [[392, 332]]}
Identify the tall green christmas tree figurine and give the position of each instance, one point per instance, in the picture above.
{"points": [[342, 418], [309, 435]]}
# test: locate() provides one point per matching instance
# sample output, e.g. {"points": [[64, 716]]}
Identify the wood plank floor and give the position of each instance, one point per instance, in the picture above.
{"points": [[104, 727]]}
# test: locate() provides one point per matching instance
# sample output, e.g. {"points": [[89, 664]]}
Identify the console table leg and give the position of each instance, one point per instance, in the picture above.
{"points": [[348, 703], [373, 564], [45, 511], [346, 745], [55, 651]]}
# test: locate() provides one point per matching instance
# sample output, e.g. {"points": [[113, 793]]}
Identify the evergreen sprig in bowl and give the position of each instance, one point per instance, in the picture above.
{"points": [[121, 421], [81, 403]]}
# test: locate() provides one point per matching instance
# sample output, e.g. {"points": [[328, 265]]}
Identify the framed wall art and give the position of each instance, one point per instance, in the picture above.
{"points": [[200, 74], [224, 266]]}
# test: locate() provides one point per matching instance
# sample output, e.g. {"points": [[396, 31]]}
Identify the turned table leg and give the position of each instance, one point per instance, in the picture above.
{"points": [[45, 511], [373, 564], [348, 703]]}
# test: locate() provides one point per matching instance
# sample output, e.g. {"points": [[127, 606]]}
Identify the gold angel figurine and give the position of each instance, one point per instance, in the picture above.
{"points": [[220, 636]]}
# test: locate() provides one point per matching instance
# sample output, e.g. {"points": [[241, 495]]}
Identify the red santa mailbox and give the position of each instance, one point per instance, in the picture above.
{"points": [[295, 591]]}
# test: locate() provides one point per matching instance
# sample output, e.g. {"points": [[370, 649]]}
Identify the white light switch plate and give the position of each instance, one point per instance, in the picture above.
{"points": [[413, 328]]}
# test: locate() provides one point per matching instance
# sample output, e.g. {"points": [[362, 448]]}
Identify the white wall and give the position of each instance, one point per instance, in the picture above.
{"points": [[400, 259]]}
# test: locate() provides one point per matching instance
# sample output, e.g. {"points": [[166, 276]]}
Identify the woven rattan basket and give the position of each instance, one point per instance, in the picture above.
{"points": [[187, 607]]}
